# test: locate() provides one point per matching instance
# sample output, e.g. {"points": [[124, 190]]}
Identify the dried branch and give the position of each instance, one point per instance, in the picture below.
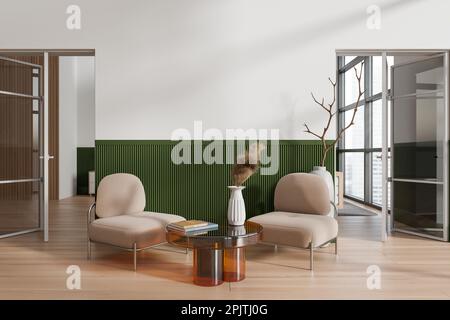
{"points": [[331, 114], [310, 132], [319, 103], [360, 94]]}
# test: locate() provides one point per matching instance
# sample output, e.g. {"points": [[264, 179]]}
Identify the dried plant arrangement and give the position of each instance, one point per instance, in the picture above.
{"points": [[329, 109], [247, 164]]}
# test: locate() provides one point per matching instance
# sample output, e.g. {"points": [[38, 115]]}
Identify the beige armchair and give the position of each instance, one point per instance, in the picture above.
{"points": [[300, 218], [118, 219]]}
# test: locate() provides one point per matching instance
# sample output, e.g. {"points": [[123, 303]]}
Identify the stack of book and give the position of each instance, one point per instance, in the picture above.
{"points": [[192, 226]]}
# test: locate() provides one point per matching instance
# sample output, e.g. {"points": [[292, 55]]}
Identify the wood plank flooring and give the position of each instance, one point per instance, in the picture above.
{"points": [[411, 267]]}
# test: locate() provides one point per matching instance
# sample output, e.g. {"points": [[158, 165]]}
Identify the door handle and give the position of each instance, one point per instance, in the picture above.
{"points": [[48, 157]]}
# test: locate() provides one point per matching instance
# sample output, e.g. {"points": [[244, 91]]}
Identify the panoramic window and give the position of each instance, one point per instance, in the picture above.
{"points": [[359, 151]]}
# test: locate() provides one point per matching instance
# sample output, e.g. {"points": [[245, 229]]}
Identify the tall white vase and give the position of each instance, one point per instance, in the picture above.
{"points": [[322, 172], [236, 207]]}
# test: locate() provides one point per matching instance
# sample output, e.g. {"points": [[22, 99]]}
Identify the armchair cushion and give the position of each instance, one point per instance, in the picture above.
{"points": [[145, 229], [296, 229], [302, 193], [118, 194]]}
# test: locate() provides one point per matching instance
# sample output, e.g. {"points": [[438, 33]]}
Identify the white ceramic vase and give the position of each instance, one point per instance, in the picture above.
{"points": [[236, 206], [322, 172]]}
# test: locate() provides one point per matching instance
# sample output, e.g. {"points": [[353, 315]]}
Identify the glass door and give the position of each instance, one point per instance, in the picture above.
{"points": [[419, 162], [21, 168]]}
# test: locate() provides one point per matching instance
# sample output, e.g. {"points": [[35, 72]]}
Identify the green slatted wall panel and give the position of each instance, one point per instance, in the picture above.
{"points": [[199, 191]]}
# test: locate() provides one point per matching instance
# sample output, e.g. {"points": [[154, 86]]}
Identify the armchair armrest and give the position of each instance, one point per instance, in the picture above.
{"points": [[91, 210], [335, 209]]}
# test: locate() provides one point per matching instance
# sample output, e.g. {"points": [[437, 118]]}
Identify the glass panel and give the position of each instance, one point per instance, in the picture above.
{"points": [[35, 88], [418, 207], [389, 194], [419, 77], [377, 124], [36, 105], [376, 178], [389, 116], [19, 207], [354, 174], [19, 148], [389, 184], [354, 136], [19, 136], [348, 59], [15, 77], [351, 85], [418, 132], [377, 80], [390, 63]]}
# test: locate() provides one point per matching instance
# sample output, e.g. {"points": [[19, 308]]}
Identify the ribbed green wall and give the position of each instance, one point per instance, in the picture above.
{"points": [[199, 191]]}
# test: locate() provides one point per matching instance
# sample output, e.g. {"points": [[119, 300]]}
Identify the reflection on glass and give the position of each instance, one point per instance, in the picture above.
{"points": [[19, 149], [389, 124], [354, 174], [418, 207], [377, 124], [377, 73], [419, 77], [348, 59], [19, 77], [418, 138], [390, 63], [35, 88], [354, 136], [377, 80], [18, 130], [376, 178], [19, 207], [351, 85]]}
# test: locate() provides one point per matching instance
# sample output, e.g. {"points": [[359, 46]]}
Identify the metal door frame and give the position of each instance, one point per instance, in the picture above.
{"points": [[445, 171], [39, 98], [387, 217]]}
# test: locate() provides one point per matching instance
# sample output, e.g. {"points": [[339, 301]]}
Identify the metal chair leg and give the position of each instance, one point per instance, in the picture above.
{"points": [[135, 256], [336, 246], [311, 256], [89, 249]]}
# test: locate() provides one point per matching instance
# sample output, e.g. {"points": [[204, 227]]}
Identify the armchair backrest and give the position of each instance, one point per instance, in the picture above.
{"points": [[119, 194], [302, 193]]}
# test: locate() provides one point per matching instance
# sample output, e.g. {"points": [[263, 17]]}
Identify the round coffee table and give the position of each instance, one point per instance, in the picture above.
{"points": [[219, 255]]}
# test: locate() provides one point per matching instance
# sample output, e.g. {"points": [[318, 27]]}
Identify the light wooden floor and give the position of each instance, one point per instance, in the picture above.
{"points": [[410, 267]]}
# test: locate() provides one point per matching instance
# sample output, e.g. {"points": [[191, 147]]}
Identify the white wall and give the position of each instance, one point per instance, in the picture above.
{"points": [[86, 101], [67, 127], [162, 64], [76, 117]]}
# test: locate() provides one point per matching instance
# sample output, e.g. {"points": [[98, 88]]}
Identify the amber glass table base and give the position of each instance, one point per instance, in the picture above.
{"points": [[234, 264], [208, 267]]}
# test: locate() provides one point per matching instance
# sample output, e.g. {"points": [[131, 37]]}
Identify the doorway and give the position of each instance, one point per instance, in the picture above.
{"points": [[419, 153], [34, 125], [21, 143], [395, 157]]}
